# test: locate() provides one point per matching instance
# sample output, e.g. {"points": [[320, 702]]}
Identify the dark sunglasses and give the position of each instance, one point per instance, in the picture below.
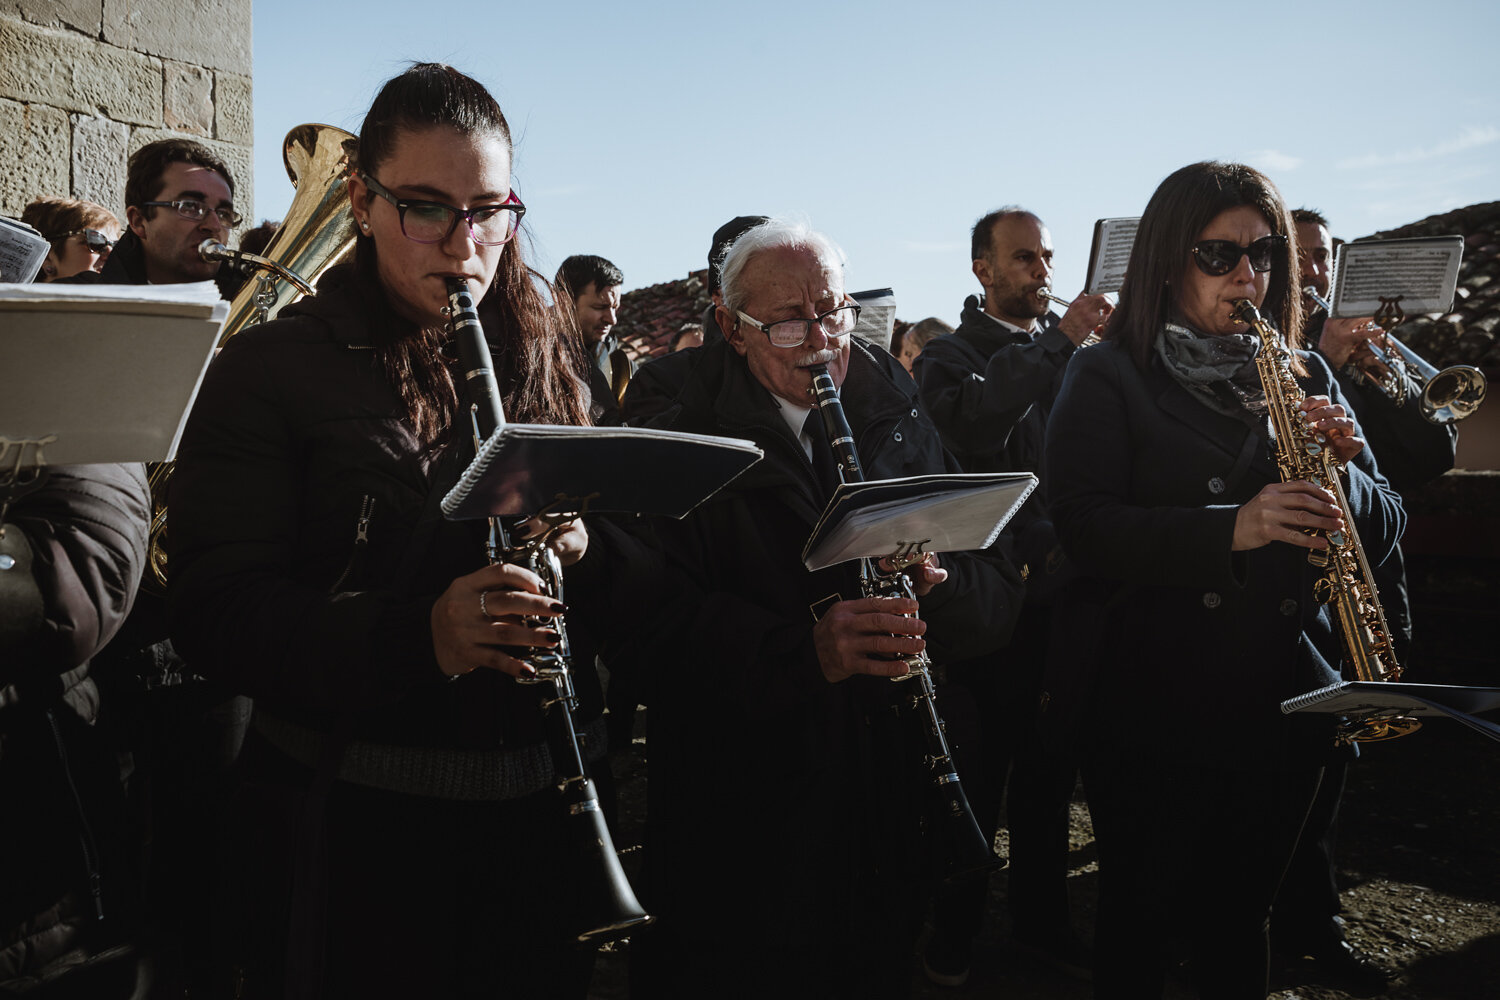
{"points": [[1216, 258], [92, 238]]}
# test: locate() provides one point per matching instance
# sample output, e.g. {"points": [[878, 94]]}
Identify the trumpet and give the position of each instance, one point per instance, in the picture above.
{"points": [[962, 850], [1047, 294], [1397, 371], [606, 905]]}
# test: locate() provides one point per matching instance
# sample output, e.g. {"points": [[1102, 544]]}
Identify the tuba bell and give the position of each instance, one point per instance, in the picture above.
{"points": [[317, 232]]}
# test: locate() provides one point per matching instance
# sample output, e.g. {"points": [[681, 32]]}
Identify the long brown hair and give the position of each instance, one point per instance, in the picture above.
{"points": [[1182, 207], [538, 367]]}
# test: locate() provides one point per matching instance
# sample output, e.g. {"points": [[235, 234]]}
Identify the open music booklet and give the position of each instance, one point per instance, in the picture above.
{"points": [[1367, 697], [22, 250], [523, 468], [1110, 254], [1420, 273], [941, 513], [102, 373]]}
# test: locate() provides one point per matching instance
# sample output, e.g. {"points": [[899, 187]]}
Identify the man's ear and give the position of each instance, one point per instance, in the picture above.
{"points": [[981, 269], [135, 218], [730, 325]]}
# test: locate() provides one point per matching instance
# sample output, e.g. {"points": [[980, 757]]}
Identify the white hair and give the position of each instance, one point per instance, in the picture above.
{"points": [[773, 234]]}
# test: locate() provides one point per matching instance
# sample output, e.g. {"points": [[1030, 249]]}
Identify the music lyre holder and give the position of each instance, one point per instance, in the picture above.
{"points": [[19, 477]]}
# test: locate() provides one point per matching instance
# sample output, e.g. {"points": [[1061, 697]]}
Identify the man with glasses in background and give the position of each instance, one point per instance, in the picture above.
{"points": [[181, 731], [784, 817], [178, 193]]}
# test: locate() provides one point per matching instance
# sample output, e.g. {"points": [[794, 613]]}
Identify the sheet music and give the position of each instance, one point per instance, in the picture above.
{"points": [[97, 375], [877, 315], [1110, 255], [523, 468], [935, 513], [1422, 271], [22, 250]]}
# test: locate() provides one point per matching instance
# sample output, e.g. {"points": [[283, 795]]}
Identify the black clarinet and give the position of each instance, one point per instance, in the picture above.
{"points": [[606, 905], [962, 850]]}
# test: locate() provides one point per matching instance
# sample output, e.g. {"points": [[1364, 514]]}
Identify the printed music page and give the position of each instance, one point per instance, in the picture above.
{"points": [[1422, 273], [940, 513], [103, 373], [22, 250], [524, 468], [1110, 254]]}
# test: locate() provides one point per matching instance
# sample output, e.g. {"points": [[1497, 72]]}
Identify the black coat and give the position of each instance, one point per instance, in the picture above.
{"points": [[297, 435], [781, 805], [989, 390], [78, 542], [1192, 642]]}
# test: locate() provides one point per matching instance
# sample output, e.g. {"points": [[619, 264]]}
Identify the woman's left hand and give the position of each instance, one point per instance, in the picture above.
{"points": [[569, 540], [1335, 425]]}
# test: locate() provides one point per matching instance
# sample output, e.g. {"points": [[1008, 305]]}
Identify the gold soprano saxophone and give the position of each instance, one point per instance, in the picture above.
{"points": [[1303, 456]]}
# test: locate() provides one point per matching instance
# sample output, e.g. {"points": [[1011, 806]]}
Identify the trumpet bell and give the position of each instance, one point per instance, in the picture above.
{"points": [[1453, 394]]}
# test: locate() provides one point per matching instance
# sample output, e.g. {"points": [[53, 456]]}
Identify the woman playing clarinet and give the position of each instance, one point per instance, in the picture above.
{"points": [[397, 829]]}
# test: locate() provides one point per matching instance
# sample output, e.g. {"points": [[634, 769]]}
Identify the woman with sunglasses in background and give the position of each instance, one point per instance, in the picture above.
{"points": [[1166, 492], [399, 833], [81, 233]]}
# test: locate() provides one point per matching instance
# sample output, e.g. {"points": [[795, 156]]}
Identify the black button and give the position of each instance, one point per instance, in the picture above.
{"points": [[1212, 600], [1289, 607], [1216, 485]]}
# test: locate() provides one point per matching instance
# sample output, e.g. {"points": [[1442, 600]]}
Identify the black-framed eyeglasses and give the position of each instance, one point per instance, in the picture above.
{"points": [[836, 322], [434, 221], [96, 241], [192, 208], [1216, 258]]}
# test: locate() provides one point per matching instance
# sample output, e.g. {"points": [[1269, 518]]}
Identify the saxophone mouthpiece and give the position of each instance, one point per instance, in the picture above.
{"points": [[1244, 310]]}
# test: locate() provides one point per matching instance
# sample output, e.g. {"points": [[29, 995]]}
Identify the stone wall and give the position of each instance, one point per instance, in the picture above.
{"points": [[84, 83]]}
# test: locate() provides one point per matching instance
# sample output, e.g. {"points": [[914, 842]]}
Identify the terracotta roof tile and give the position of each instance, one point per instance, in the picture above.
{"points": [[649, 316]]}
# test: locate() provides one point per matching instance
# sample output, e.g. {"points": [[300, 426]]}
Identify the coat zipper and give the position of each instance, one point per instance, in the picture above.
{"points": [[361, 541]]}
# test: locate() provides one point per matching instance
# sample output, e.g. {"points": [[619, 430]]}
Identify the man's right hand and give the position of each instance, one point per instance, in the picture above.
{"points": [[1086, 315], [860, 637], [1342, 338]]}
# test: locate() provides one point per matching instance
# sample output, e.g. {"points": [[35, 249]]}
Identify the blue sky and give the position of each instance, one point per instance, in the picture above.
{"points": [[640, 128]]}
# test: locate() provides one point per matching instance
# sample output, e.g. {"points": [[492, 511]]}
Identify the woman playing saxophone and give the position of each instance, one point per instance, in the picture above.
{"points": [[1162, 473]]}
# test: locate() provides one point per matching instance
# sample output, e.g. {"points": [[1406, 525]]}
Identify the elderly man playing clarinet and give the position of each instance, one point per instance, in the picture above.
{"points": [[783, 814]]}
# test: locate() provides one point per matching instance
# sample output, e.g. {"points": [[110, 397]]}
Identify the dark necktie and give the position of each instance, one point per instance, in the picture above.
{"points": [[825, 466]]}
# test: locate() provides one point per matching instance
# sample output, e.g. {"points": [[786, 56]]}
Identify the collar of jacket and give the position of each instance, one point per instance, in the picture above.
{"points": [[354, 306], [127, 266], [127, 262], [987, 332], [723, 397]]}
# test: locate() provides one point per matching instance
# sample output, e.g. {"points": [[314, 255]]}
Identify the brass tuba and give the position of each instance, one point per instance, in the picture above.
{"points": [[317, 233]]}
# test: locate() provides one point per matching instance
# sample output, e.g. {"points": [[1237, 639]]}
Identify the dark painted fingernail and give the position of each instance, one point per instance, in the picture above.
{"points": [[557, 607]]}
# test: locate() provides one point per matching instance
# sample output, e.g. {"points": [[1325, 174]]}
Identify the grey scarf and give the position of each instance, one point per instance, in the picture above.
{"points": [[1218, 371]]}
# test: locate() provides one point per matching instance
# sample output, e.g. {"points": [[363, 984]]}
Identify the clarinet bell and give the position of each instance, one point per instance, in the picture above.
{"points": [[606, 905], [960, 849]]}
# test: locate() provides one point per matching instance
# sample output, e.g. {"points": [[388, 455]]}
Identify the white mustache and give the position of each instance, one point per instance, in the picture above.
{"points": [[817, 358]]}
